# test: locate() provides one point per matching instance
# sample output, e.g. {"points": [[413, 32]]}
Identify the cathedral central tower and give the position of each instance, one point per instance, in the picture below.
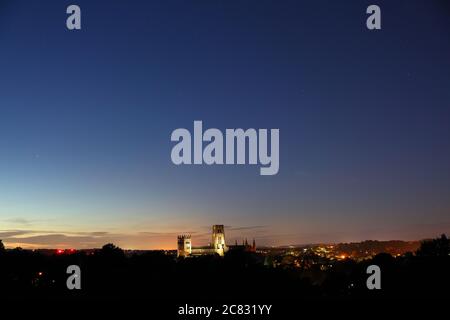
{"points": [[218, 239]]}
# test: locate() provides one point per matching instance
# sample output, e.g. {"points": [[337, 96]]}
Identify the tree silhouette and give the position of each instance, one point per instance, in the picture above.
{"points": [[112, 251], [436, 247], [2, 246]]}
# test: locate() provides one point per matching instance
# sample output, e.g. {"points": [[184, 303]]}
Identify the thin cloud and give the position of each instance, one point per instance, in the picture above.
{"points": [[12, 233], [19, 221], [230, 228], [83, 240]]}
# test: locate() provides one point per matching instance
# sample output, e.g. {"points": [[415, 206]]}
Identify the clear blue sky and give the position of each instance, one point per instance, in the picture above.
{"points": [[86, 118]]}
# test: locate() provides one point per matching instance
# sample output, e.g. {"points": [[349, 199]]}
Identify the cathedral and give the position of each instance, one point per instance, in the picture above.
{"points": [[217, 245]]}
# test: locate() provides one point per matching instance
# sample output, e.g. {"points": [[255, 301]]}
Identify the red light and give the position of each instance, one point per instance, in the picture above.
{"points": [[59, 251]]}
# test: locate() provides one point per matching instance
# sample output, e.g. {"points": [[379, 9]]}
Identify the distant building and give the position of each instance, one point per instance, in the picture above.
{"points": [[245, 246], [218, 240], [218, 244], [184, 247]]}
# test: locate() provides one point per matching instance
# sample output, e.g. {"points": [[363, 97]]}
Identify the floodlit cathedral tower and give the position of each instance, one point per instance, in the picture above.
{"points": [[184, 248], [217, 246], [218, 239]]}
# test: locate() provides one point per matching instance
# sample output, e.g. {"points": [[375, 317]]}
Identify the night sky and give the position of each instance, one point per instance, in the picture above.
{"points": [[86, 118]]}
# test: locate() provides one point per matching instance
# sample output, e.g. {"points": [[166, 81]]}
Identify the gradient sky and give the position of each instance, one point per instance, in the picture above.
{"points": [[86, 118]]}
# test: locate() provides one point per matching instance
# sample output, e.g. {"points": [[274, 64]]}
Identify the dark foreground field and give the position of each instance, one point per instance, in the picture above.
{"points": [[161, 283]]}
